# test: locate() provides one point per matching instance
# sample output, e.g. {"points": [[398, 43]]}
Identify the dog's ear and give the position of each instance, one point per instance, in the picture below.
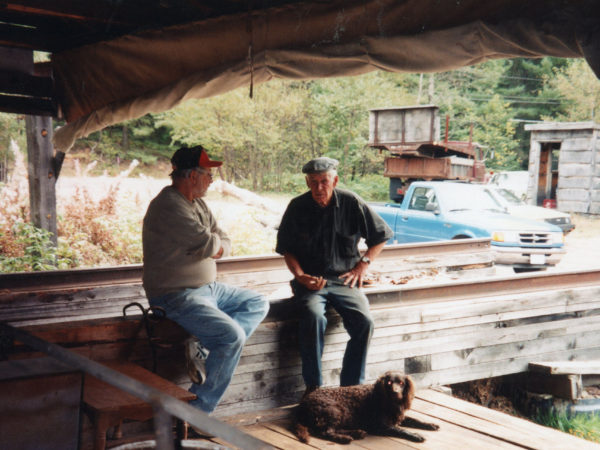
{"points": [[379, 387], [408, 394]]}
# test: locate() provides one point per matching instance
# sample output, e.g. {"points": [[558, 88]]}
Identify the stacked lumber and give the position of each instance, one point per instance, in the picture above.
{"points": [[437, 341]]}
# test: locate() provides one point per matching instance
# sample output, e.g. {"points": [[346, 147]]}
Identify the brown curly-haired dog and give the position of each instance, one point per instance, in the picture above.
{"points": [[346, 413]]}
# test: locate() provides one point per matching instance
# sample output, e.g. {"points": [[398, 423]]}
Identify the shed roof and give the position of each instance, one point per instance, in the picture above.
{"points": [[562, 126], [115, 60]]}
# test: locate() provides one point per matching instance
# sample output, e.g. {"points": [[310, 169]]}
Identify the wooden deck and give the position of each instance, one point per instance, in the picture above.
{"points": [[463, 425]]}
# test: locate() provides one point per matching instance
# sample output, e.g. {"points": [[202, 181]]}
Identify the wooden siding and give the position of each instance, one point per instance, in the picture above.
{"points": [[578, 188], [435, 335]]}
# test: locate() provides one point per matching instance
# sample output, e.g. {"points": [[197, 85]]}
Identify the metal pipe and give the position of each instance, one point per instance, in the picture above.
{"points": [[162, 428]]}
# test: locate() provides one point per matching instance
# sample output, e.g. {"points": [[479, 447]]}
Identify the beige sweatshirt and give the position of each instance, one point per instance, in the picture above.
{"points": [[179, 237]]}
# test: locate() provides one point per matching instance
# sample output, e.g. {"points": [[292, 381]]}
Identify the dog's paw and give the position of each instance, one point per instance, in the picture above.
{"points": [[414, 437], [358, 434], [342, 439], [432, 426]]}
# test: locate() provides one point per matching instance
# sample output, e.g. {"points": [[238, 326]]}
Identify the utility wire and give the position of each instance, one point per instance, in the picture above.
{"points": [[554, 101]]}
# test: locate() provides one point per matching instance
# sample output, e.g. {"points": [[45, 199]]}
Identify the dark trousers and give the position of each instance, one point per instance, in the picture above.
{"points": [[352, 305]]}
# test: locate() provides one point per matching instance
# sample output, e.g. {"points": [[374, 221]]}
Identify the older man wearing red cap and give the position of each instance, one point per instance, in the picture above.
{"points": [[182, 242]]}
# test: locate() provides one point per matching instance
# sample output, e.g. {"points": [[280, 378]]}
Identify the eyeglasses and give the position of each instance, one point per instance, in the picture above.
{"points": [[205, 172]]}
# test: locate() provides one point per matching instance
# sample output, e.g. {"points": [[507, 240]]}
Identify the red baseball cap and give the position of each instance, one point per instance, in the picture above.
{"points": [[190, 158]]}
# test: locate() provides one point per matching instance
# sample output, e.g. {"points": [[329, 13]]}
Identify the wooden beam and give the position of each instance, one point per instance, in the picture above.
{"points": [[127, 14], [566, 367], [24, 37], [71, 10], [16, 60], [44, 33], [24, 84], [42, 180], [28, 105], [568, 387]]}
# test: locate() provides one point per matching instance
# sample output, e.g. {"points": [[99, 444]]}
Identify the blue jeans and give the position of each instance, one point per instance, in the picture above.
{"points": [[222, 317], [352, 305]]}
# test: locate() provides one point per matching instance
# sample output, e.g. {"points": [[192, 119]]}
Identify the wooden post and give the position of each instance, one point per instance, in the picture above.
{"points": [[42, 177], [535, 150]]}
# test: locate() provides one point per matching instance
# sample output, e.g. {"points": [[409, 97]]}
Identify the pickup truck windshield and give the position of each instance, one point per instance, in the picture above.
{"points": [[509, 197], [473, 199]]}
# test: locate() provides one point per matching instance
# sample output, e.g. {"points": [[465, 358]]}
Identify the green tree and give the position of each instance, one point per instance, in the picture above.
{"points": [[12, 127], [340, 107], [496, 131], [522, 86], [140, 139], [255, 137], [579, 87], [266, 139], [476, 111]]}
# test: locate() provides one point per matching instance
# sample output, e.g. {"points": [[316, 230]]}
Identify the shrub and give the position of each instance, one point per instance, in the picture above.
{"points": [[371, 187], [24, 247], [91, 232], [586, 426], [28, 248], [98, 232]]}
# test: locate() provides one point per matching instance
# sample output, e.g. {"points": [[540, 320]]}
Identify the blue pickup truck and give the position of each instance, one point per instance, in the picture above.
{"points": [[443, 210]]}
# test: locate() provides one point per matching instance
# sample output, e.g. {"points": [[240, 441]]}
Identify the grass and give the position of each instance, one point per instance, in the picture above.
{"points": [[586, 426]]}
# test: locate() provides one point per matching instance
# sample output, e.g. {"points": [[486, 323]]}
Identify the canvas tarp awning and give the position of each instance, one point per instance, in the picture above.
{"points": [[110, 82]]}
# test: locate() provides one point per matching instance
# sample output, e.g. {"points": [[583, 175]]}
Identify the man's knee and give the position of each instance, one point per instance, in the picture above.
{"points": [[234, 336], [313, 317], [369, 324], [360, 325], [261, 304]]}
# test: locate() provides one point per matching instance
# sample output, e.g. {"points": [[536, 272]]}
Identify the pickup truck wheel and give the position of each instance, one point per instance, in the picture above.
{"points": [[461, 236]]}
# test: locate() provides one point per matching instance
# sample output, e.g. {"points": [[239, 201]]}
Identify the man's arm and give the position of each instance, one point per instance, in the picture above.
{"points": [[309, 281], [376, 233], [224, 248], [360, 270]]}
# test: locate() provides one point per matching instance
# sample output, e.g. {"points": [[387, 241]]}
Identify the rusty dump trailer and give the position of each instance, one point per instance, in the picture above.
{"points": [[411, 135]]}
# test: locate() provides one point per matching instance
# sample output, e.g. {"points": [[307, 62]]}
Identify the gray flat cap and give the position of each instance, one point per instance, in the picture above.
{"points": [[322, 164]]}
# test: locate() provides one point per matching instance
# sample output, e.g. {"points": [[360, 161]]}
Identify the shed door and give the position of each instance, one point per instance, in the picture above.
{"points": [[548, 172]]}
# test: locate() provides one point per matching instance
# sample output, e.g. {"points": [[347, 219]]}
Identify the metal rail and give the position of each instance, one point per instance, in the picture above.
{"points": [[487, 287], [162, 403], [535, 281], [78, 278]]}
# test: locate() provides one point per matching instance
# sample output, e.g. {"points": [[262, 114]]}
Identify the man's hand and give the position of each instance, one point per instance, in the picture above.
{"points": [[356, 275], [311, 282]]}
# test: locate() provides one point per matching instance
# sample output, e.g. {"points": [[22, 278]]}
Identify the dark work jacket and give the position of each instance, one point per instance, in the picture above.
{"points": [[325, 240]]}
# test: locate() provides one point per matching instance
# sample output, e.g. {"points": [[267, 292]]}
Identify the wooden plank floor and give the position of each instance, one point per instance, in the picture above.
{"points": [[463, 425]]}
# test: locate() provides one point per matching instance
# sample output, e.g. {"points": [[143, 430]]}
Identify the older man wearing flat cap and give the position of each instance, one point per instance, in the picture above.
{"points": [[182, 242], [318, 238]]}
